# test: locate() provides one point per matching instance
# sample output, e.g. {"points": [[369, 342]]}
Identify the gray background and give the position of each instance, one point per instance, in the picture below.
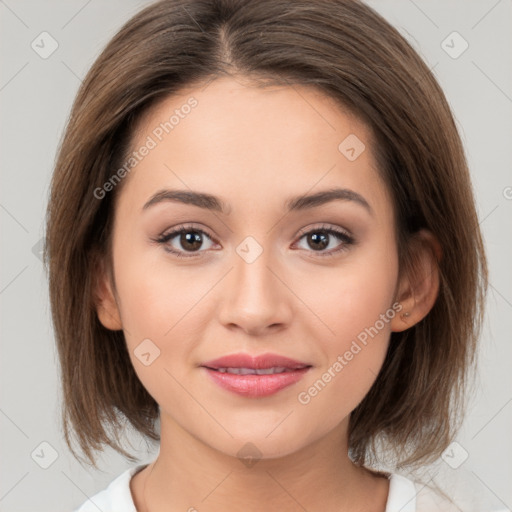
{"points": [[35, 98]]}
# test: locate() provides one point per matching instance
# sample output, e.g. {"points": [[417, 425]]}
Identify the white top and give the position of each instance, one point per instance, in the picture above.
{"points": [[404, 496]]}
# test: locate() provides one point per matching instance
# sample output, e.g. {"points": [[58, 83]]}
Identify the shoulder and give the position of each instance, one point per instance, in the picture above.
{"points": [[406, 495], [429, 498], [117, 496]]}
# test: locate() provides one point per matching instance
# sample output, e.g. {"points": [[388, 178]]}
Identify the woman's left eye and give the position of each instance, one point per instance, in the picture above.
{"points": [[191, 240], [319, 238]]}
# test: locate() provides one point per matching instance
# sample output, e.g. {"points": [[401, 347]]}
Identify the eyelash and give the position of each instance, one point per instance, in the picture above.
{"points": [[339, 234]]}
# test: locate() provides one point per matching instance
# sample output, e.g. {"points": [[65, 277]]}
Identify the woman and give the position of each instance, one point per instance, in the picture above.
{"points": [[262, 234]]}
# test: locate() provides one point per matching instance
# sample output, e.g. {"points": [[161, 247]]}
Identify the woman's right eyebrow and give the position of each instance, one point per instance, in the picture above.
{"points": [[200, 199], [298, 203]]}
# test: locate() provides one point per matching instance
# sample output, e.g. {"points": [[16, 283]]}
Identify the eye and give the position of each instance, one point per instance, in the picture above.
{"points": [[188, 237], [320, 238], [191, 240]]}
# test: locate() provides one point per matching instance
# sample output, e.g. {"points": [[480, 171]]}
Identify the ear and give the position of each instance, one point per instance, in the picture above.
{"points": [[419, 285], [104, 299]]}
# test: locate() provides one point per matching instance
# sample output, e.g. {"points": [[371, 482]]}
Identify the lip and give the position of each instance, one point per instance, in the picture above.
{"points": [[258, 362], [255, 385]]}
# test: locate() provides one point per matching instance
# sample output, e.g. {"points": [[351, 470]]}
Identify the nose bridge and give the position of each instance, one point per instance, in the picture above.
{"points": [[252, 268], [255, 298], [252, 277]]}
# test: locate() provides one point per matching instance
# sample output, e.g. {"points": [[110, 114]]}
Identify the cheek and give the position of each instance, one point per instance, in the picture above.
{"points": [[352, 297], [164, 312], [356, 307], [157, 298]]}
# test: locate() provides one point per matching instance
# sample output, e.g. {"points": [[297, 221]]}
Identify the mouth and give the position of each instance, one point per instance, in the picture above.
{"points": [[257, 376]]}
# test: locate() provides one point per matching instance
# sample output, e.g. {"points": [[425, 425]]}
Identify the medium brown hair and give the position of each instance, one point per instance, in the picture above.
{"points": [[346, 50]]}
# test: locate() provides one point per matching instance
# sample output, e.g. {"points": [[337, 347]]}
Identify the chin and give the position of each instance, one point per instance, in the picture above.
{"points": [[252, 445]]}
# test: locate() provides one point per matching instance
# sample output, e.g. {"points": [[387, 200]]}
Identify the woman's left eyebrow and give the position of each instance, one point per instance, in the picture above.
{"points": [[305, 202], [298, 203]]}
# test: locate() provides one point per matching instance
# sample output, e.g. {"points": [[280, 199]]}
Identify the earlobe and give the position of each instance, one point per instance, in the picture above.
{"points": [[419, 286], [104, 299]]}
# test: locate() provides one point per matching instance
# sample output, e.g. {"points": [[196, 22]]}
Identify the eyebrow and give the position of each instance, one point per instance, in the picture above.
{"points": [[299, 203]]}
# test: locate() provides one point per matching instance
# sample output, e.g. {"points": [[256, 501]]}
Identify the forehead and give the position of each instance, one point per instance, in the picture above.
{"points": [[238, 140], [275, 116]]}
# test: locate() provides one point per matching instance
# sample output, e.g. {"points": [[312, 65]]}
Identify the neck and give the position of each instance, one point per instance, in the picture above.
{"points": [[189, 475]]}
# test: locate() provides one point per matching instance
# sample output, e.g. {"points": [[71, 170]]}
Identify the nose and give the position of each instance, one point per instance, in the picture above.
{"points": [[255, 296]]}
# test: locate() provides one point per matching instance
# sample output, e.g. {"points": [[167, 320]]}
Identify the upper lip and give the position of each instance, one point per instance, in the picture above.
{"points": [[258, 362]]}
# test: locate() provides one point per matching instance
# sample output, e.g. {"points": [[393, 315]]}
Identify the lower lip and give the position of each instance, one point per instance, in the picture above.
{"points": [[256, 385]]}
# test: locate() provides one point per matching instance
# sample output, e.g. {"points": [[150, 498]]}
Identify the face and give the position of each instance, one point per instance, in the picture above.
{"points": [[314, 283]]}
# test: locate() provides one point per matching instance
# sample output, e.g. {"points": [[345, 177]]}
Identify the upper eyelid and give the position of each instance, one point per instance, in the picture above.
{"points": [[301, 232], [304, 231], [325, 227], [175, 231]]}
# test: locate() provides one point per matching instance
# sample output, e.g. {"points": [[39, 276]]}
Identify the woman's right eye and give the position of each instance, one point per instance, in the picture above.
{"points": [[189, 238]]}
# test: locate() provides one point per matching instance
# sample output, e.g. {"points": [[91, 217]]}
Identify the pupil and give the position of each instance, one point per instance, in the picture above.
{"points": [[192, 238], [322, 239]]}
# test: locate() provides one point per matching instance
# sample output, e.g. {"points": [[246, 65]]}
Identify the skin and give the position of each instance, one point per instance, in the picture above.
{"points": [[255, 148]]}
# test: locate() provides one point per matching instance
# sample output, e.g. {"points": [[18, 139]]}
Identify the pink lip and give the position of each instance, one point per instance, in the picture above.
{"points": [[255, 385], [261, 361]]}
